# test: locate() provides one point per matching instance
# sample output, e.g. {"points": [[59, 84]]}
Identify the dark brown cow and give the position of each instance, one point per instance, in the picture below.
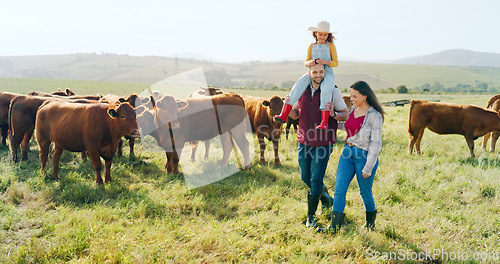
{"points": [[493, 105], [21, 120], [5, 99], [66, 92], [200, 119], [446, 118], [94, 128], [261, 112]]}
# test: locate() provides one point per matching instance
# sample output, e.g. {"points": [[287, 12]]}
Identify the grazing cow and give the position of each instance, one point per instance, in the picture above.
{"points": [[261, 112], [200, 93], [66, 92], [494, 105], [5, 99], [94, 128], [445, 118], [21, 120], [201, 118]]}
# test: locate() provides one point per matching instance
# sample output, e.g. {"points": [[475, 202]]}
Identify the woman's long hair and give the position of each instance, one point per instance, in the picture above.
{"points": [[363, 88]]}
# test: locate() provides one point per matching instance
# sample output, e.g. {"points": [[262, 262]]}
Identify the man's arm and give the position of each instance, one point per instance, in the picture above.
{"points": [[294, 113]]}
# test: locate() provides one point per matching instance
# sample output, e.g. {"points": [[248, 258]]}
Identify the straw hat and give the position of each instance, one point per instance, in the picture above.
{"points": [[322, 26]]}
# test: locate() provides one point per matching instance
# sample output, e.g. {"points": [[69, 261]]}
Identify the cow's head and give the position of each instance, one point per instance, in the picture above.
{"points": [[274, 106], [166, 109], [125, 119]]}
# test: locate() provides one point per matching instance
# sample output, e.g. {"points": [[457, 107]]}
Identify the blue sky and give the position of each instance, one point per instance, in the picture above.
{"points": [[235, 31]]}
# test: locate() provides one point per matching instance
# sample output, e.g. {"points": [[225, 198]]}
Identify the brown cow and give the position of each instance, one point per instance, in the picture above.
{"points": [[494, 105], [446, 118], [95, 128], [200, 119], [5, 99], [21, 120], [66, 92], [261, 112]]}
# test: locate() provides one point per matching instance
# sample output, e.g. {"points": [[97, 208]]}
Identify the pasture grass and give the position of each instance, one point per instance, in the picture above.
{"points": [[439, 201]]}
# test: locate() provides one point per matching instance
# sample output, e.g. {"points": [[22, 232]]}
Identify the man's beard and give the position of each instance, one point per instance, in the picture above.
{"points": [[316, 82]]}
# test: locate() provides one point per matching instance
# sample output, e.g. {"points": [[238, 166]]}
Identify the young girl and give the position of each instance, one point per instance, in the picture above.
{"points": [[360, 155], [322, 52]]}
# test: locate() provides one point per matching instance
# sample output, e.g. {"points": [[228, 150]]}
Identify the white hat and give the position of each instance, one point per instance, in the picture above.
{"points": [[323, 26]]}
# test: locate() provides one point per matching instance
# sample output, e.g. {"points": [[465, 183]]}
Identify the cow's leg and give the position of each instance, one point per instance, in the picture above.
{"points": [[172, 165], [276, 151], [194, 148], [419, 139], [241, 140], [56, 157], [44, 146], [107, 170], [494, 138], [5, 131], [227, 146], [14, 147], [470, 144], [207, 149], [25, 143], [120, 145], [485, 140], [131, 143], [262, 145], [169, 165], [287, 129], [96, 162], [175, 161]]}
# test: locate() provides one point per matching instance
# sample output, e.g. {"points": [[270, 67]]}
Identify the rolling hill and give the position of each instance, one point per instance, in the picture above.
{"points": [[148, 70]]}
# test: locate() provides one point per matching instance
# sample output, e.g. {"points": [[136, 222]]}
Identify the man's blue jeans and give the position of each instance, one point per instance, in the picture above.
{"points": [[312, 164], [351, 163]]}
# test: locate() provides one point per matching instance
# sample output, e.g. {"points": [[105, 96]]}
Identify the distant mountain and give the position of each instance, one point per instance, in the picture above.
{"points": [[456, 57]]}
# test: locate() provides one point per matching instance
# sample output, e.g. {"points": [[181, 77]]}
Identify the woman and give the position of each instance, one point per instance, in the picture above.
{"points": [[360, 154]]}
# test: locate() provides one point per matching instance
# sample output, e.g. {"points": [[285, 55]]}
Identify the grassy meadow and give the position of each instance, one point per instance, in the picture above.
{"points": [[441, 204]]}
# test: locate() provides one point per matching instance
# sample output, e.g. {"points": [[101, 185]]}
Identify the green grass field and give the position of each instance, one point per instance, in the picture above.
{"points": [[440, 203]]}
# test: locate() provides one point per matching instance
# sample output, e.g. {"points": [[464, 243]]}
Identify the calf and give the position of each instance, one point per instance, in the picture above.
{"points": [[94, 128], [494, 105], [445, 118], [203, 118], [261, 112]]}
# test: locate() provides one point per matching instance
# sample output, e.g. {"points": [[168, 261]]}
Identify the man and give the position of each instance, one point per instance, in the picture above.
{"points": [[315, 145]]}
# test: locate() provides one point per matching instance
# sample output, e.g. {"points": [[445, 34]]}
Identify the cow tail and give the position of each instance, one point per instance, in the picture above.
{"points": [[412, 104], [9, 117]]}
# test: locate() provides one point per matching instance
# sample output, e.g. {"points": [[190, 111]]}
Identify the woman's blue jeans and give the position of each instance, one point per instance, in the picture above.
{"points": [[351, 163], [312, 165]]}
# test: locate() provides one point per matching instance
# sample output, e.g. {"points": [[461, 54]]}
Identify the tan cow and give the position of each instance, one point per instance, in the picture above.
{"points": [[446, 118], [494, 105]]}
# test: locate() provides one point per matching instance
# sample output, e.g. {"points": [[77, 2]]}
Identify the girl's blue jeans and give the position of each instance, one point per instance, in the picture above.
{"points": [[312, 164], [351, 163]]}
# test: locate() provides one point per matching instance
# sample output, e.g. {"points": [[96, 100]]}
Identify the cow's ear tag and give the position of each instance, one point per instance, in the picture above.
{"points": [[121, 100], [112, 113], [266, 103]]}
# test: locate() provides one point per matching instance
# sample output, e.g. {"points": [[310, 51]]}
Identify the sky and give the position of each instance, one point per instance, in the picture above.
{"points": [[237, 31]]}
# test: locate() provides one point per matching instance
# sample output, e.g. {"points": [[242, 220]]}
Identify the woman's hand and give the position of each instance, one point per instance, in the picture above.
{"points": [[323, 62]]}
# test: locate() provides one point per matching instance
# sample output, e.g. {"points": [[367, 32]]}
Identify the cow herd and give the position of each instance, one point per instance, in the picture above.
{"points": [[97, 125]]}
